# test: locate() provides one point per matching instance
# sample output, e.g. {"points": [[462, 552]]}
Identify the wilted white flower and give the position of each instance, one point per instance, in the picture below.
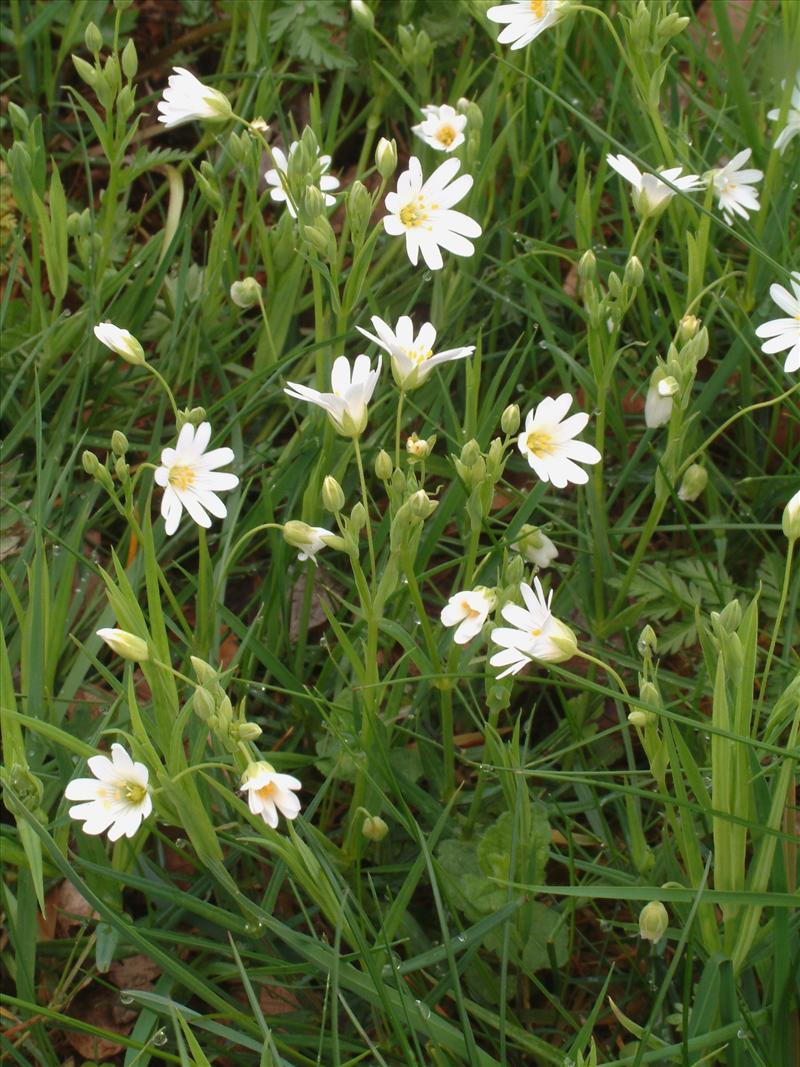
{"points": [[525, 19], [784, 333], [650, 194], [125, 644], [792, 127], [116, 799], [309, 539], [412, 357], [653, 921], [536, 635], [269, 792], [121, 342], [547, 442], [186, 98], [733, 186], [442, 127], [351, 392], [790, 521], [658, 403], [422, 210], [190, 479], [245, 293], [534, 546], [277, 177], [468, 611], [693, 483]]}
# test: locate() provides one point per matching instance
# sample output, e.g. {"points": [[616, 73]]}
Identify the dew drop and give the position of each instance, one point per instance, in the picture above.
{"points": [[180, 842], [125, 998], [426, 277], [160, 1038], [460, 940], [424, 1010], [323, 641]]}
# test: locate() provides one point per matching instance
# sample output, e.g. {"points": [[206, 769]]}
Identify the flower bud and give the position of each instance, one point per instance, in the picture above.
{"points": [[649, 694], [358, 517], [126, 645], [641, 718], [204, 671], [509, 420], [126, 101], [386, 157], [362, 14], [130, 61], [225, 711], [91, 463], [332, 494], [791, 518], [112, 73], [313, 201], [421, 505], [418, 448], [470, 453], [191, 415], [587, 266], [383, 466], [687, 328], [19, 119], [86, 72], [653, 921], [534, 546], [564, 641], [648, 642], [93, 39], [693, 483], [359, 210], [634, 273], [203, 705], [374, 828], [119, 443], [248, 731], [322, 237], [245, 293], [614, 284], [208, 185], [121, 468]]}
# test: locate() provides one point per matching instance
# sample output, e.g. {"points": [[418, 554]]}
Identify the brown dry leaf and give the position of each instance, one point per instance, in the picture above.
{"points": [[703, 26], [66, 909], [322, 583], [101, 1008], [136, 972], [275, 1000], [570, 283]]}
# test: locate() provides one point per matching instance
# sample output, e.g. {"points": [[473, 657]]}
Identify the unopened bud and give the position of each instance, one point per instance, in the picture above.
{"points": [[374, 828], [649, 694], [587, 266], [418, 448], [509, 420], [653, 921], [245, 293], [248, 731], [225, 710], [204, 671], [203, 705], [470, 453], [634, 273], [359, 209], [130, 61], [119, 443], [693, 483], [791, 518], [86, 72], [121, 468], [614, 284], [648, 642], [313, 201], [687, 328], [362, 14], [641, 718], [421, 505], [126, 645], [93, 38], [386, 157], [332, 494], [383, 466], [358, 517]]}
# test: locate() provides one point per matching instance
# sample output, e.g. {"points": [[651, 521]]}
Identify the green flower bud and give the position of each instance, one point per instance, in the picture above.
{"points": [[509, 420], [313, 201], [634, 273], [653, 921], [791, 518], [112, 73], [383, 466], [191, 415], [322, 237], [471, 453], [641, 718], [119, 443], [729, 619], [126, 101], [374, 828], [362, 14], [86, 72], [204, 671], [587, 266], [386, 157], [614, 284], [248, 731], [358, 517], [203, 705], [648, 642], [93, 39], [127, 645], [359, 210], [693, 483], [245, 293], [421, 506], [687, 328], [90, 463], [19, 119], [225, 711], [121, 468], [332, 494], [130, 61]]}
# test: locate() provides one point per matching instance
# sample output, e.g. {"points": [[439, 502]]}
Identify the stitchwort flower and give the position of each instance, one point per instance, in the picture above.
{"points": [[269, 792], [650, 194], [116, 799], [422, 211], [468, 611], [784, 334], [186, 98], [792, 127], [535, 633], [442, 127], [547, 442], [525, 19], [277, 176], [352, 390], [412, 357], [190, 479], [733, 186]]}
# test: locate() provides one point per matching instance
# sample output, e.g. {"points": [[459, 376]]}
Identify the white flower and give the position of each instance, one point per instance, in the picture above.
{"points": [[784, 333], [547, 442], [733, 187], [412, 357], [351, 392], [117, 796], [186, 98], [650, 194], [536, 633], [658, 405], [790, 521], [469, 611], [525, 19], [190, 478], [422, 211], [442, 128], [277, 177], [121, 342], [534, 546], [269, 792], [125, 644], [309, 539], [792, 126]]}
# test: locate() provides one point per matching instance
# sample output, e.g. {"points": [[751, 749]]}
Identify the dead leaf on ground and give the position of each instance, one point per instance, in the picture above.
{"points": [[135, 972], [275, 1000], [66, 909], [100, 1008]]}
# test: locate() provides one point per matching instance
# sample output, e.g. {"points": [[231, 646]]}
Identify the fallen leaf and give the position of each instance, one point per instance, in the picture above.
{"points": [[135, 972], [102, 1009], [65, 909]]}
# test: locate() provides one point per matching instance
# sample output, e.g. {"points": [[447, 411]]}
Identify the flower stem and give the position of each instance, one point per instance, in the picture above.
{"points": [[787, 573], [365, 499], [397, 425]]}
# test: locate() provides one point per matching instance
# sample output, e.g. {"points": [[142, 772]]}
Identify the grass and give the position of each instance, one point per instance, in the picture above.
{"points": [[529, 818]]}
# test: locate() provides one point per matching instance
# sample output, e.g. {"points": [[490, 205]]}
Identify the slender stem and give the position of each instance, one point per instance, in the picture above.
{"points": [[268, 331], [162, 382], [477, 796], [365, 499], [397, 425], [787, 573]]}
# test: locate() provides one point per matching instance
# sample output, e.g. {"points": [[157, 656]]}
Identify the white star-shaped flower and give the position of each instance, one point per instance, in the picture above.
{"points": [[186, 98], [269, 792], [116, 799], [442, 128], [784, 333], [733, 186], [121, 342], [277, 176], [547, 442], [422, 211], [525, 19], [650, 194], [412, 357], [535, 633], [792, 127], [190, 479], [351, 392], [468, 611]]}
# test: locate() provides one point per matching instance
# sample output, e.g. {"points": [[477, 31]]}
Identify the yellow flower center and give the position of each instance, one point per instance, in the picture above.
{"points": [[537, 8], [536, 633], [446, 135], [471, 613], [541, 443], [133, 792], [412, 215], [182, 477], [419, 355], [266, 792]]}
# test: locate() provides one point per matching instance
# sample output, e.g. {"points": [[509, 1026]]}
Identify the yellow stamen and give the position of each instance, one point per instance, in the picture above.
{"points": [[541, 443], [470, 611], [412, 214], [537, 8], [182, 477], [446, 135], [134, 792], [266, 792], [417, 355], [536, 633]]}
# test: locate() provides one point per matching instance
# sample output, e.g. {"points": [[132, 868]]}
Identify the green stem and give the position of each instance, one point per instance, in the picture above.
{"points": [[273, 350], [397, 426], [787, 573], [365, 499], [162, 382], [483, 777]]}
